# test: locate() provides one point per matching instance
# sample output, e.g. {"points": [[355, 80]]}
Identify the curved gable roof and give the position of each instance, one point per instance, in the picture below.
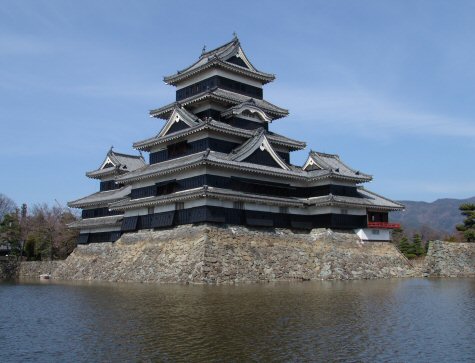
{"points": [[219, 57], [117, 163]]}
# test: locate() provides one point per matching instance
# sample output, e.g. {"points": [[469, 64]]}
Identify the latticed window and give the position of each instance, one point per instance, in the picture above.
{"points": [[179, 205], [284, 210], [151, 210]]}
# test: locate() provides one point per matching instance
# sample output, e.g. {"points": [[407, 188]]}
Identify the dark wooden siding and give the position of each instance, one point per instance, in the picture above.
{"points": [[129, 224], [221, 82], [246, 124], [108, 185], [164, 219], [243, 185], [98, 212], [177, 126], [83, 238], [237, 61], [242, 217], [143, 192], [262, 157], [187, 148], [285, 156], [112, 236]]}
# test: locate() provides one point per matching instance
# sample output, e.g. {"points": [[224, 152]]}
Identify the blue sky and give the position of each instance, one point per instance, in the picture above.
{"points": [[388, 85]]}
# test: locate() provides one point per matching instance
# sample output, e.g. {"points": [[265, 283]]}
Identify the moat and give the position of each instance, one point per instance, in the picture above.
{"points": [[390, 320]]}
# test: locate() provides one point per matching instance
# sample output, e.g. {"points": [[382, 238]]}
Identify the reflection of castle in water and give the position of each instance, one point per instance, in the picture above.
{"points": [[215, 160]]}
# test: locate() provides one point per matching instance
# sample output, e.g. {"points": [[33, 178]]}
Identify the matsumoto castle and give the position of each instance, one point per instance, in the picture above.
{"points": [[215, 160]]}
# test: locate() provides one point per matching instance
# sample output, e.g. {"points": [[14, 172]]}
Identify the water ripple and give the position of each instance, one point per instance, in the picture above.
{"points": [[413, 320]]}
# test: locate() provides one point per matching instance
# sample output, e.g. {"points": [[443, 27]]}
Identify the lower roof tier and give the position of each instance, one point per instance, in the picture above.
{"points": [[100, 222], [232, 164], [364, 200], [101, 199]]}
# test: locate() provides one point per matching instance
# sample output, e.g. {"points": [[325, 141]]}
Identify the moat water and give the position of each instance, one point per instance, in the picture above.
{"points": [[403, 320]]}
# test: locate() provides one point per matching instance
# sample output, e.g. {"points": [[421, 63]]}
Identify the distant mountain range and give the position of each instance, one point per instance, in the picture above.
{"points": [[437, 219]]}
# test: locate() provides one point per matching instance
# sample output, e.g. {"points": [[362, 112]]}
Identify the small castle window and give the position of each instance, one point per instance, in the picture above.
{"points": [[344, 211], [375, 231], [179, 205], [150, 210]]}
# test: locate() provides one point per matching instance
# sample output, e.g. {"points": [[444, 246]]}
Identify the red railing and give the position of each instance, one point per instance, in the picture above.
{"points": [[383, 225]]}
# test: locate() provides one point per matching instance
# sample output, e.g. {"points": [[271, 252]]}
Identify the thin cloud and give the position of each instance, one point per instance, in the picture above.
{"points": [[361, 111], [19, 45]]}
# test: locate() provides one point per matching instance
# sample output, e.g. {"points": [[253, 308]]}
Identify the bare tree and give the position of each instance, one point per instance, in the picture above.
{"points": [[6, 206], [49, 232]]}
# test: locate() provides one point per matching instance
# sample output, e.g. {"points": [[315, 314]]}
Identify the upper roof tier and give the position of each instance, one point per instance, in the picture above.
{"points": [[191, 124], [116, 164], [227, 98], [229, 56]]}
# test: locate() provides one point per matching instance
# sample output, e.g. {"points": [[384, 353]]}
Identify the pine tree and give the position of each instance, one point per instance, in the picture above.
{"points": [[10, 233], [468, 226], [417, 245], [404, 246]]}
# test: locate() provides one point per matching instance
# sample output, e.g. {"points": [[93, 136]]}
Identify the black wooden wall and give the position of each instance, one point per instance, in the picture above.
{"points": [[242, 217], [243, 185], [219, 82], [187, 148], [85, 238], [98, 212]]}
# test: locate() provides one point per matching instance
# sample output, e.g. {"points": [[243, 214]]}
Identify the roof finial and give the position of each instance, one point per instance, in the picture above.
{"points": [[204, 49], [110, 150], [234, 35]]}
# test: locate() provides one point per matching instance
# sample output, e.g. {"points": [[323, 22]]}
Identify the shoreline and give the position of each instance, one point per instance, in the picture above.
{"points": [[207, 254]]}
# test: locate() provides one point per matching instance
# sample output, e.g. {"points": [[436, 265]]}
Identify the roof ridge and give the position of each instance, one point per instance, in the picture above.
{"points": [[324, 154], [215, 50], [128, 155]]}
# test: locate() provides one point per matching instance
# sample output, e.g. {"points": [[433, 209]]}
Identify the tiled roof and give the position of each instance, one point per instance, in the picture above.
{"points": [[229, 97], [220, 127], [249, 106], [221, 160], [258, 141], [332, 162], [97, 222], [218, 58], [379, 200], [100, 198], [208, 192], [122, 163], [367, 199]]}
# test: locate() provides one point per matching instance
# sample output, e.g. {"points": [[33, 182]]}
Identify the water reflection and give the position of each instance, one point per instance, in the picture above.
{"points": [[383, 320]]}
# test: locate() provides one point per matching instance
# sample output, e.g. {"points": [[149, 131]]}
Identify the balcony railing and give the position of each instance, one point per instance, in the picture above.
{"points": [[385, 225]]}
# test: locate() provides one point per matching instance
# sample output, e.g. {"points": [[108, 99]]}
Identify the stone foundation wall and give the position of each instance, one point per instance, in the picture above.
{"points": [[210, 254], [30, 269], [37, 268], [449, 259]]}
